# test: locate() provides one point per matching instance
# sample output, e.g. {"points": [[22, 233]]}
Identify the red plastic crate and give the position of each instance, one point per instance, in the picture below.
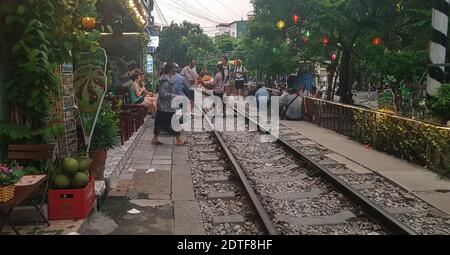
{"points": [[71, 204]]}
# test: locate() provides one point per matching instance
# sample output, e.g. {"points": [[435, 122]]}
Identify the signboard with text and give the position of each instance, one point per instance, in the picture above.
{"points": [[149, 64], [90, 84], [386, 102]]}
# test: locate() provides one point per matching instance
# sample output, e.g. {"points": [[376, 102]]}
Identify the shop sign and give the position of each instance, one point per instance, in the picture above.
{"points": [[149, 64], [90, 84], [386, 102]]}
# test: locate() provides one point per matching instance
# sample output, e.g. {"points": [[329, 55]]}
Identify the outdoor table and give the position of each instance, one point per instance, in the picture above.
{"points": [[25, 188]]}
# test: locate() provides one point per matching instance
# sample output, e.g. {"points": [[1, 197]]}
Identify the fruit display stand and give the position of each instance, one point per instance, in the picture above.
{"points": [[68, 204], [24, 189], [72, 195]]}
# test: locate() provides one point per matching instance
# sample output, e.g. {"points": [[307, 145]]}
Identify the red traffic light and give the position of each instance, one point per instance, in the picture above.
{"points": [[325, 40]]}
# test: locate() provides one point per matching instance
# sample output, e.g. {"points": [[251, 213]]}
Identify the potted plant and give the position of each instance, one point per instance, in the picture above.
{"points": [[9, 176], [105, 137]]}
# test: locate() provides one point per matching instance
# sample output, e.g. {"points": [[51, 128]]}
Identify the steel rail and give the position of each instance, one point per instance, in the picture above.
{"points": [[256, 202], [376, 213]]}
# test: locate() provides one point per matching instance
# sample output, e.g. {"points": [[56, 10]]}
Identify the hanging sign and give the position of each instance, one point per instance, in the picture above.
{"points": [[386, 102], [90, 84], [149, 64]]}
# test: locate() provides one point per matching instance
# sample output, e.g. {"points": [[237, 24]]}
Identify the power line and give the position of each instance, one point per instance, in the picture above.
{"points": [[177, 7], [228, 8], [194, 10], [160, 14], [208, 10], [189, 14]]}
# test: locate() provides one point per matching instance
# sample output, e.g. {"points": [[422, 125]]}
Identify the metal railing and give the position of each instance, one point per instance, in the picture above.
{"points": [[416, 141]]}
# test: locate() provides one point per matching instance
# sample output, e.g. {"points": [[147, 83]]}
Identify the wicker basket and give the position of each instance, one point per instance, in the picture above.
{"points": [[6, 193]]}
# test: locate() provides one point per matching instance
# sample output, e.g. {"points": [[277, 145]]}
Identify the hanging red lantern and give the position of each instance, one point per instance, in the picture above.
{"points": [[334, 57], [296, 19], [88, 22], [325, 40], [376, 41]]}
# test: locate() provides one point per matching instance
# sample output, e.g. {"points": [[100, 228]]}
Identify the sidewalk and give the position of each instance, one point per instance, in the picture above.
{"points": [[423, 183], [157, 187]]}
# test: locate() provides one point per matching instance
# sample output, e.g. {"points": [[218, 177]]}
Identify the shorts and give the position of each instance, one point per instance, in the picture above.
{"points": [[190, 94], [239, 84]]}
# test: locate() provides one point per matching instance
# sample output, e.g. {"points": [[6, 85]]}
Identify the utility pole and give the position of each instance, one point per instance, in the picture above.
{"points": [[438, 46]]}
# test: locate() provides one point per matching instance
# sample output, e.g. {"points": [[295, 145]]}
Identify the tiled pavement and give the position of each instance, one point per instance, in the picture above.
{"points": [[158, 184]]}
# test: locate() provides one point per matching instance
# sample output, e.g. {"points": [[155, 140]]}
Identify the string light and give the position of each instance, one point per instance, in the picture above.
{"points": [[281, 24], [137, 12], [325, 40], [296, 19], [376, 41], [334, 57]]}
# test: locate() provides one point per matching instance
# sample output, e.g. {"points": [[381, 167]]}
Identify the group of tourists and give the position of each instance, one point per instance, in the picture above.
{"points": [[174, 82]]}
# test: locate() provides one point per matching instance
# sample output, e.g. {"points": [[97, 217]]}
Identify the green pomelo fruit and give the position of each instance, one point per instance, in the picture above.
{"points": [[61, 181], [70, 166], [85, 164], [80, 180]]}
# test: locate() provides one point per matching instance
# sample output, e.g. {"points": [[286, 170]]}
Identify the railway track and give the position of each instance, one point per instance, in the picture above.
{"points": [[289, 187]]}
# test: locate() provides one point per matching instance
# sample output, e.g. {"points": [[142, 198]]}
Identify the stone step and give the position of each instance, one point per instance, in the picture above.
{"points": [[268, 169], [364, 186], [206, 150], [296, 195], [224, 196], [210, 158], [230, 219], [203, 142], [336, 219], [282, 180], [214, 169], [220, 179]]}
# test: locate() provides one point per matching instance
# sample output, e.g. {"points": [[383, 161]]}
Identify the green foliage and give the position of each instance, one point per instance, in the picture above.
{"points": [[21, 134], [198, 45], [350, 26], [171, 50], [10, 175], [422, 143], [440, 104], [225, 43], [106, 132], [37, 36]]}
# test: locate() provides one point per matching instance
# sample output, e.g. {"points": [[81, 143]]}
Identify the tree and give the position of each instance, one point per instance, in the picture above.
{"points": [[175, 41], [348, 24], [225, 43]]}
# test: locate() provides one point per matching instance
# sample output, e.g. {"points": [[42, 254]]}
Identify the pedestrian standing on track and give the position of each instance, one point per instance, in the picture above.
{"points": [[227, 73], [283, 101], [181, 84], [166, 94], [239, 77], [191, 75], [293, 109], [262, 96], [218, 83]]}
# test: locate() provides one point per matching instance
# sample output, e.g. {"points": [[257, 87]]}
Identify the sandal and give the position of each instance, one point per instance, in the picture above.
{"points": [[182, 144], [157, 143]]}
